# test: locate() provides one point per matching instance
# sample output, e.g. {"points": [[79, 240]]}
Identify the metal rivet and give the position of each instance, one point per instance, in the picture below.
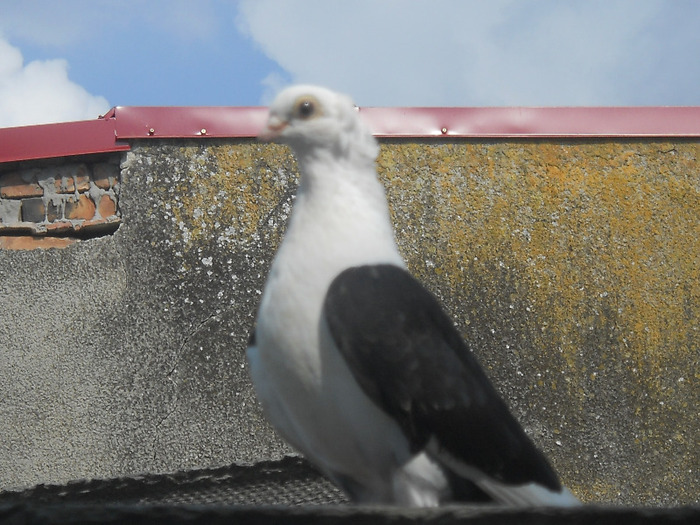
{"points": [[444, 131], [203, 131], [151, 131]]}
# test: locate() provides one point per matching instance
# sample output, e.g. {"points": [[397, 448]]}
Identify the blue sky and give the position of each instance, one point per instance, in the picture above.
{"points": [[73, 59]]}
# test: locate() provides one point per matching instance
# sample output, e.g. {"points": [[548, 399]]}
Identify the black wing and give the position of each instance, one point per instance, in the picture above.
{"points": [[408, 358]]}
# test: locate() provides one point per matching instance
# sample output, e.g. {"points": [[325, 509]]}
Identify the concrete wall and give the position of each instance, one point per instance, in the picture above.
{"points": [[570, 266]]}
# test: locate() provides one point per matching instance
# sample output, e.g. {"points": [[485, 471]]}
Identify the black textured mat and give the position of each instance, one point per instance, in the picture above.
{"points": [[291, 481], [289, 491]]}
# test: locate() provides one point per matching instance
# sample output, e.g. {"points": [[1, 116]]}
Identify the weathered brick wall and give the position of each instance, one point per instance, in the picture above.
{"points": [[52, 206], [570, 266]]}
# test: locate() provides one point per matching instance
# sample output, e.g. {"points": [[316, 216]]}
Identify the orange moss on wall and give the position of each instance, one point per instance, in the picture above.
{"points": [[599, 241]]}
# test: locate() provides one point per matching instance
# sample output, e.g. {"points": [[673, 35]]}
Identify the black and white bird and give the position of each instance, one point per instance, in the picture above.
{"points": [[355, 363]]}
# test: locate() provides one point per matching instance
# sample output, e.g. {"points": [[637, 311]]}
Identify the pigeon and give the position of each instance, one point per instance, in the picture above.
{"points": [[355, 363]]}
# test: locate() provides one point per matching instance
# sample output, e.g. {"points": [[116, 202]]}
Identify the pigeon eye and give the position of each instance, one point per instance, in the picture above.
{"points": [[306, 109]]}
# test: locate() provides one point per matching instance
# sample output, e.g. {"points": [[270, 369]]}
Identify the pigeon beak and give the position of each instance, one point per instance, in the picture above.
{"points": [[272, 129]]}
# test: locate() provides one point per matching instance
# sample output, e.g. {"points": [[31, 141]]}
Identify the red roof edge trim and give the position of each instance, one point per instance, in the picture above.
{"points": [[514, 122], [121, 124], [59, 140], [135, 122]]}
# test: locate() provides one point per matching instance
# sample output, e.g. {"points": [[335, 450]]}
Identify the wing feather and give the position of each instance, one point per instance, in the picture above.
{"points": [[409, 358]]}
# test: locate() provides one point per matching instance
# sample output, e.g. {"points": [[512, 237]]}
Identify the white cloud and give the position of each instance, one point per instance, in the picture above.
{"points": [[272, 84], [501, 52], [41, 92]]}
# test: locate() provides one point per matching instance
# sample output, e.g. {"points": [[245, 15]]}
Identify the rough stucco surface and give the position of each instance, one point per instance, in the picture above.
{"points": [[125, 354], [571, 268]]}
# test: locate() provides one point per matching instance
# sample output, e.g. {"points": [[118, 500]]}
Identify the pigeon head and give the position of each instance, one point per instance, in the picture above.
{"points": [[317, 122]]}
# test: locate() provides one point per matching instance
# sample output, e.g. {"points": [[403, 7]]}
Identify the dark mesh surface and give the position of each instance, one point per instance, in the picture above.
{"points": [[291, 481], [283, 492]]}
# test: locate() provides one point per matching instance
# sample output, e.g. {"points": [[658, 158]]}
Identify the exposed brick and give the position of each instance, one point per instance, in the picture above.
{"points": [[105, 175], [59, 227], [83, 208], [98, 227], [106, 207], [17, 185], [10, 211], [66, 184], [25, 228], [28, 242], [33, 210], [67, 172], [53, 212]]}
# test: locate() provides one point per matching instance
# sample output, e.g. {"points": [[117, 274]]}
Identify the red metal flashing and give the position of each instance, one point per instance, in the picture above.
{"points": [[179, 122], [59, 140], [535, 122], [122, 124], [135, 122]]}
